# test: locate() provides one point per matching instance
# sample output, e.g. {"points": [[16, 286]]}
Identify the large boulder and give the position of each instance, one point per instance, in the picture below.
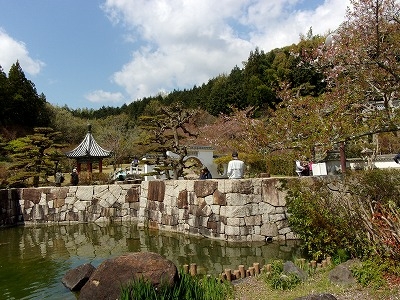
{"points": [[76, 278], [107, 279]]}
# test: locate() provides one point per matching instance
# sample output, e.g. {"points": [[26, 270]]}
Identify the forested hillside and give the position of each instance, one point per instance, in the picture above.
{"points": [[339, 91]]}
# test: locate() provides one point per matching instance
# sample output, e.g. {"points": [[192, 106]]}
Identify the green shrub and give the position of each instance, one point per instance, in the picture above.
{"points": [[281, 164], [322, 210], [370, 273]]}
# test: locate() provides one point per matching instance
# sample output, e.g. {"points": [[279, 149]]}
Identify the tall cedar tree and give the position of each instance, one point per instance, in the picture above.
{"points": [[20, 102]]}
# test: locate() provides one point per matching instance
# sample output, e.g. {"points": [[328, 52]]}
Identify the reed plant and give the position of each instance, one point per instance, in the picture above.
{"points": [[188, 287]]}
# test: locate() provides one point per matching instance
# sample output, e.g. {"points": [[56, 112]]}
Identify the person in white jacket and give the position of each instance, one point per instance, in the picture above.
{"points": [[299, 167], [235, 167]]}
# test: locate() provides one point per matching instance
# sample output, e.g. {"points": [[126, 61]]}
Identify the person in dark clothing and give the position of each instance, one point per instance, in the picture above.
{"points": [[205, 174], [74, 177]]}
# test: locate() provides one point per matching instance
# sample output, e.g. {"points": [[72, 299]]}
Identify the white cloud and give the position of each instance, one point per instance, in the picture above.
{"points": [[100, 96], [12, 50], [187, 42]]}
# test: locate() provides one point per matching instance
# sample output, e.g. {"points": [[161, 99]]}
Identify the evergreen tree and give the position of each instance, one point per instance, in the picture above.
{"points": [[35, 156], [27, 108], [4, 98]]}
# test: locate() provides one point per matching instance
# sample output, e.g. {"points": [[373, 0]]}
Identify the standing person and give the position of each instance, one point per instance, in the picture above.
{"points": [[299, 168], [74, 177], [205, 173], [235, 167], [59, 178]]}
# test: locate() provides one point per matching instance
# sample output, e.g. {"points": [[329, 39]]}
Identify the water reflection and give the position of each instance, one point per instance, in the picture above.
{"points": [[34, 259]]}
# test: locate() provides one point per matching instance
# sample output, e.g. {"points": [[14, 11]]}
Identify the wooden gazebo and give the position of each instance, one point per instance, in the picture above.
{"points": [[88, 152]]}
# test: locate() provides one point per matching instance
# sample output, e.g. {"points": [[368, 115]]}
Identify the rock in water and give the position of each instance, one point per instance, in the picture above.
{"points": [[107, 279]]}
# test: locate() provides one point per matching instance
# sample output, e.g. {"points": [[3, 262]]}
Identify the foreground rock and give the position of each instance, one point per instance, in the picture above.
{"points": [[290, 268], [341, 274], [76, 278], [107, 279], [318, 297]]}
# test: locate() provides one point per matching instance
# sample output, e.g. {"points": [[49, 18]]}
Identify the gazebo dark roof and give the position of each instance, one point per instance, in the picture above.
{"points": [[88, 148]]}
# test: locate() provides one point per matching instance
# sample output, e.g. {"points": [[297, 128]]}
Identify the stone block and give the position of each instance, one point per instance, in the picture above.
{"points": [[209, 199], [215, 209], [266, 208], [59, 202], [206, 210], [271, 192], [232, 230], [182, 200], [257, 238], [277, 217], [252, 220], [156, 190], [133, 194], [237, 211], [50, 204], [32, 195], [219, 198], [284, 230], [97, 189], [269, 230], [81, 205], [84, 193], [291, 236], [236, 222], [253, 209], [242, 186], [59, 192], [234, 199], [203, 188]]}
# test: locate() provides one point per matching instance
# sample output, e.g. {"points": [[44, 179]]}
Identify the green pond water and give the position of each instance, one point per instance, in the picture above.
{"points": [[34, 259]]}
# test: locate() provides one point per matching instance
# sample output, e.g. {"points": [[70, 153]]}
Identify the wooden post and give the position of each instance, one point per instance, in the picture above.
{"points": [[242, 271], [186, 269], [256, 268], [228, 274], [236, 273], [100, 166], [251, 271], [329, 260], [268, 267], [313, 264], [193, 269]]}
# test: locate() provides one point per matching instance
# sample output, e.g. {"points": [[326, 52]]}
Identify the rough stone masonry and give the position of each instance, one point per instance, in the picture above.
{"points": [[232, 210]]}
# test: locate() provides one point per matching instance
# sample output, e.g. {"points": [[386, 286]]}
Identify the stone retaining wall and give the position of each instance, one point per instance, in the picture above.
{"points": [[233, 210]]}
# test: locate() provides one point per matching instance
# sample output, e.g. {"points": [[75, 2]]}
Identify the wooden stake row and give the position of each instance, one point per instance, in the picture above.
{"points": [[255, 270]]}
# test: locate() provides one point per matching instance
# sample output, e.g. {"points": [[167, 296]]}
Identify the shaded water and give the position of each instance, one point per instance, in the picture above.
{"points": [[33, 259]]}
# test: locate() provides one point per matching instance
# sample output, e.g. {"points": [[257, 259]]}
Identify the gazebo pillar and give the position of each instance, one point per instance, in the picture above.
{"points": [[78, 167], [89, 167], [100, 165]]}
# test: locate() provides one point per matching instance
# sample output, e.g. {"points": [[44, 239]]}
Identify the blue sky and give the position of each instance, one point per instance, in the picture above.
{"points": [[94, 53]]}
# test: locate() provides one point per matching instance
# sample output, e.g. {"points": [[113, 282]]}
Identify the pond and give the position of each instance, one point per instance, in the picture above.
{"points": [[33, 259]]}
